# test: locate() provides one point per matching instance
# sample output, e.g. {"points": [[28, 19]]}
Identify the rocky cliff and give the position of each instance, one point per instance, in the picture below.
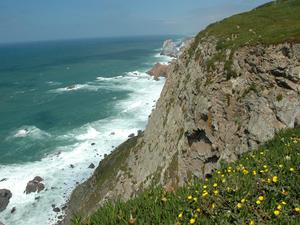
{"points": [[219, 101]]}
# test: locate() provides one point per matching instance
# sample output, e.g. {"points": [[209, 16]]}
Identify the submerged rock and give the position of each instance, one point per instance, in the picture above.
{"points": [[5, 195], [13, 210], [91, 166], [35, 185], [131, 135]]}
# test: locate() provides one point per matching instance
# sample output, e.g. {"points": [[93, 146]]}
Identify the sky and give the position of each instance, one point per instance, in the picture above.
{"points": [[33, 20]]}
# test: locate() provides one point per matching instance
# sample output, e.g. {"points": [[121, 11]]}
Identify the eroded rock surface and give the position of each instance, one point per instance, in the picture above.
{"points": [[5, 196], [204, 115]]}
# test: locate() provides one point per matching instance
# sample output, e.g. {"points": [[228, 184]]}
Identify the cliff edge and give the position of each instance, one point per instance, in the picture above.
{"points": [[234, 87]]}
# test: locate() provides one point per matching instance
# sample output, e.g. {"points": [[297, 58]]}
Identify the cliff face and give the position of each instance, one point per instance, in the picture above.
{"points": [[202, 117], [223, 96]]}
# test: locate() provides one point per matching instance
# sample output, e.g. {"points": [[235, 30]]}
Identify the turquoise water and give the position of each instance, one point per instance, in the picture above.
{"points": [[66, 103], [30, 72]]}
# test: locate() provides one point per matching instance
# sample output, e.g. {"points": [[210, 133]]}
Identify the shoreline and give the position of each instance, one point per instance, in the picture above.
{"points": [[39, 198]]}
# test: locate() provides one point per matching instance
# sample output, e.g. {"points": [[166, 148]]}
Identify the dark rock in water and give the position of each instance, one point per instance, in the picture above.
{"points": [[60, 217], [91, 166], [56, 209], [72, 166], [105, 155], [53, 206], [13, 210], [93, 144], [37, 198], [139, 132], [64, 207], [4, 179], [131, 135], [112, 133], [35, 185], [38, 179], [5, 195]]}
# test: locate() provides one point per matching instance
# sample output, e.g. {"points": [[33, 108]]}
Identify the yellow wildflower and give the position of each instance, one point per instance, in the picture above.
{"points": [[265, 166], [180, 215], [261, 198], [243, 200], [216, 192], [258, 202], [223, 180], [219, 172], [204, 187], [279, 207], [195, 199], [251, 222], [192, 221], [280, 166], [213, 206], [269, 180], [292, 169], [245, 172], [297, 210], [239, 205], [276, 213], [283, 203], [215, 185], [254, 172], [190, 197], [204, 194], [198, 210], [275, 179]]}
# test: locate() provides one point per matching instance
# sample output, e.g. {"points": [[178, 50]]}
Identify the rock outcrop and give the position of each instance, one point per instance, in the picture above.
{"points": [[159, 70], [169, 48], [207, 112], [35, 185], [173, 49], [5, 196]]}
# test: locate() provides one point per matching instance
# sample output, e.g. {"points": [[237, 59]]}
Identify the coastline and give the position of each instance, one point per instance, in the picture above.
{"points": [[79, 172]]}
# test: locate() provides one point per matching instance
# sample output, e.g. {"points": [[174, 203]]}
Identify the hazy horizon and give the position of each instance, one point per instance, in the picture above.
{"points": [[59, 20]]}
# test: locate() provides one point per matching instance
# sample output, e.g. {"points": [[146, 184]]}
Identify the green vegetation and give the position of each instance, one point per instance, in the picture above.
{"points": [[262, 187], [271, 23]]}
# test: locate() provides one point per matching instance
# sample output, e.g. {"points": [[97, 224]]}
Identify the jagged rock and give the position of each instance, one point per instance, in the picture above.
{"points": [[35, 185], [169, 48], [91, 166], [4, 179], [5, 195], [159, 70]]}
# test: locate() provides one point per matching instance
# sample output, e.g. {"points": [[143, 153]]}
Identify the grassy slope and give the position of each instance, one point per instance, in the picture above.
{"points": [[232, 193], [271, 23]]}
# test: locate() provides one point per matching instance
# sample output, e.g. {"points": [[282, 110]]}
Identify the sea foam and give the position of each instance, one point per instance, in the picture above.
{"points": [[93, 141]]}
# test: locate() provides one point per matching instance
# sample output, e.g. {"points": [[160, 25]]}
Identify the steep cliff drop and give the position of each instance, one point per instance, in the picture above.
{"points": [[231, 90]]}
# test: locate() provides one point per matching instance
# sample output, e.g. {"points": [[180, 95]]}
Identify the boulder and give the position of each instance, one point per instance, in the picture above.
{"points": [[35, 185], [5, 195], [159, 70]]}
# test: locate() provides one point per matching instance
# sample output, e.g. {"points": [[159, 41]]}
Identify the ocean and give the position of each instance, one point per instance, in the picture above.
{"points": [[63, 106]]}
